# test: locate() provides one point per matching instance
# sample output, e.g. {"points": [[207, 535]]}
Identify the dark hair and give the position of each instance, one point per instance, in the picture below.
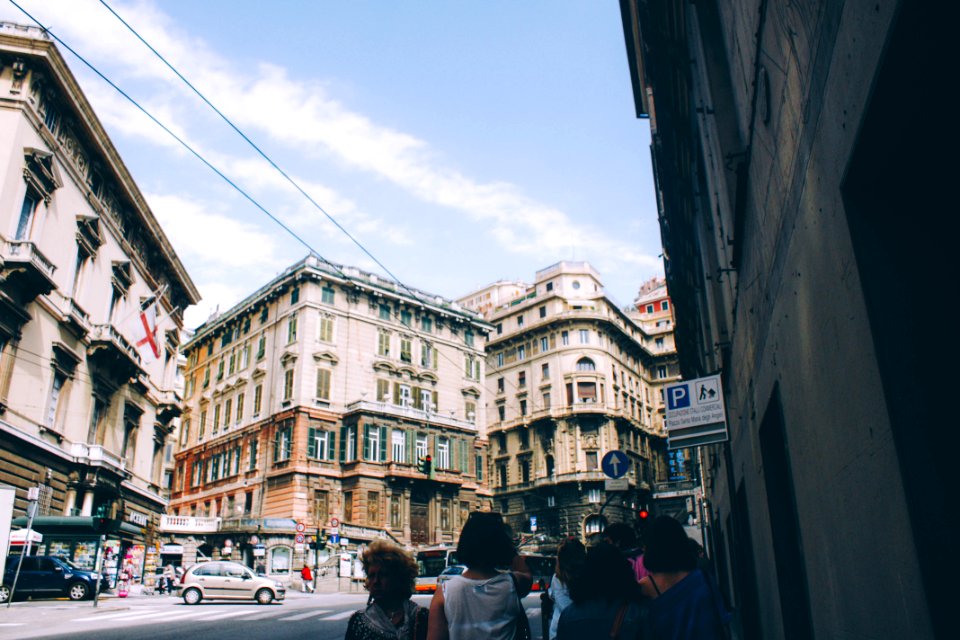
{"points": [[571, 554], [668, 547], [606, 574], [485, 542], [621, 535]]}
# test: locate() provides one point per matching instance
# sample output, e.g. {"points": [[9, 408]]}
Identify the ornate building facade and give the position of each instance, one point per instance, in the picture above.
{"points": [[84, 412], [316, 402], [571, 377]]}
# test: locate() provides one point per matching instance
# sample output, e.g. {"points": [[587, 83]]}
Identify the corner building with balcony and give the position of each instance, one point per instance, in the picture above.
{"points": [[571, 377], [84, 413], [317, 399]]}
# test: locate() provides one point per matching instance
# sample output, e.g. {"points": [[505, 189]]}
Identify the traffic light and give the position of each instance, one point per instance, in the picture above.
{"points": [[643, 514], [427, 465]]}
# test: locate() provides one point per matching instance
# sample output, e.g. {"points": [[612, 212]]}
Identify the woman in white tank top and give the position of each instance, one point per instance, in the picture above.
{"points": [[482, 603]]}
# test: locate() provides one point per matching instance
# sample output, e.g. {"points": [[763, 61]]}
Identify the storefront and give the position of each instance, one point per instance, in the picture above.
{"points": [[78, 539]]}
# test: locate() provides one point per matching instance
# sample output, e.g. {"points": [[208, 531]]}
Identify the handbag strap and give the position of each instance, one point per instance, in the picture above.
{"points": [[618, 621]]}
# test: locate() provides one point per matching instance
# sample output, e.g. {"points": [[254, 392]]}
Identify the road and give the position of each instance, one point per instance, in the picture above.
{"points": [[313, 616]]}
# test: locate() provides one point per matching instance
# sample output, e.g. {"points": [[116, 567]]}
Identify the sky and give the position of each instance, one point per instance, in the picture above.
{"points": [[459, 143]]}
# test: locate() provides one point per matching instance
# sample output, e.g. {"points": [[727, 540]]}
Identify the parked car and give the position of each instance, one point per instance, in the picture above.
{"points": [[449, 573], [50, 577], [228, 581]]}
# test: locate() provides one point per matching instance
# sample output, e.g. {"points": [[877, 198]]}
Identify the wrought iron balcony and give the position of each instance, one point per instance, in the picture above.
{"points": [[110, 352]]}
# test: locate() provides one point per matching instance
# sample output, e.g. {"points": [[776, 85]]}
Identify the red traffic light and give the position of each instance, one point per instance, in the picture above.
{"points": [[644, 514], [429, 458]]}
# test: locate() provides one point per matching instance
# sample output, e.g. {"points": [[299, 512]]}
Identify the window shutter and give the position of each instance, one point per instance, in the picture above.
{"points": [[343, 444], [311, 443], [396, 393], [417, 403], [464, 457], [452, 448], [436, 406], [434, 352], [383, 390], [412, 447], [331, 445], [383, 444], [366, 442]]}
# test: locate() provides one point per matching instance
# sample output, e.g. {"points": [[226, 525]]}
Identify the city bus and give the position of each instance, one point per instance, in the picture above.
{"points": [[430, 562]]}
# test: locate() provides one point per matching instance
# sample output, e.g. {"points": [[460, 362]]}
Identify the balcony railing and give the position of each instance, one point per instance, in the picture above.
{"points": [[22, 262], [411, 413], [188, 524], [96, 455]]}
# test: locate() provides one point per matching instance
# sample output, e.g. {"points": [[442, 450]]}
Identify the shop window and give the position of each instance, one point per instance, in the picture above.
{"points": [[280, 560]]}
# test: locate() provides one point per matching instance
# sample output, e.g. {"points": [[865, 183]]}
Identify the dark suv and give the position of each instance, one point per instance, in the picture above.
{"points": [[48, 576]]}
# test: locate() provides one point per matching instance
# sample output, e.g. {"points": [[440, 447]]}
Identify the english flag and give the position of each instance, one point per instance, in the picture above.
{"points": [[144, 326]]}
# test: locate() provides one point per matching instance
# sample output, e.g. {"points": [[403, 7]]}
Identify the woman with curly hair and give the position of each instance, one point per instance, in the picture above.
{"points": [[390, 614]]}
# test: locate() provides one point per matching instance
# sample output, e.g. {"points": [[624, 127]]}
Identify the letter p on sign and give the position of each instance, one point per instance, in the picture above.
{"points": [[678, 397]]}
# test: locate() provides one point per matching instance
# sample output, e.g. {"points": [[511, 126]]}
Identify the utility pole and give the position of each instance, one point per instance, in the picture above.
{"points": [[33, 495]]}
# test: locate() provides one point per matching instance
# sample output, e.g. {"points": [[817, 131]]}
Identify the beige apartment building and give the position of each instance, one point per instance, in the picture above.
{"points": [[571, 377], [313, 404], [87, 397]]}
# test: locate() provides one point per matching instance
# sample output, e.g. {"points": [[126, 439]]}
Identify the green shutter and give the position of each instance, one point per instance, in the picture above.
{"points": [[383, 444], [366, 442], [434, 355], [412, 447], [311, 443], [436, 403], [396, 393], [464, 457], [343, 444], [417, 404]]}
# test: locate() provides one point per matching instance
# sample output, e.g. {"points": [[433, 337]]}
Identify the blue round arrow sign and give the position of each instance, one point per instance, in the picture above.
{"points": [[615, 464]]}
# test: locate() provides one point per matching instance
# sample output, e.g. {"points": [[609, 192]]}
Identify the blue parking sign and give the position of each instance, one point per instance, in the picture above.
{"points": [[678, 396]]}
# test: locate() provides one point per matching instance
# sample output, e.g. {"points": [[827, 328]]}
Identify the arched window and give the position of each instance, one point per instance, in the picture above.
{"points": [[280, 560], [586, 364], [594, 524]]}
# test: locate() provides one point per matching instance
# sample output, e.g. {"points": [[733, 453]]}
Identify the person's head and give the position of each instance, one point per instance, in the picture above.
{"points": [[485, 542], [571, 555], [391, 571], [621, 535], [668, 548], [606, 574]]}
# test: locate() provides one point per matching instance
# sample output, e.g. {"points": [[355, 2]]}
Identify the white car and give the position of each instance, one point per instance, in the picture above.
{"points": [[228, 581]]}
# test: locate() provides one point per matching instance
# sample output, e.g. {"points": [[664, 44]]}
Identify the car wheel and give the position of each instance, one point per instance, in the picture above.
{"points": [[4, 593], [264, 596], [78, 591], [192, 596]]}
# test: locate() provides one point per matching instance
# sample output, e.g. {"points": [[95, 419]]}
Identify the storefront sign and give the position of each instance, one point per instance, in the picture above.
{"points": [[139, 519]]}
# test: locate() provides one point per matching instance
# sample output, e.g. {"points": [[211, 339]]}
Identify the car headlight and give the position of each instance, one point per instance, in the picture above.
{"points": [[278, 585]]}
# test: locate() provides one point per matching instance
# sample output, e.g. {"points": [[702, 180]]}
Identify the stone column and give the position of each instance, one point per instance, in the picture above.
{"points": [[87, 509], [70, 501]]}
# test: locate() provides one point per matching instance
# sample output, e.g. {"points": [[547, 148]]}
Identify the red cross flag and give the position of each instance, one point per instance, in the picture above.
{"points": [[144, 328]]}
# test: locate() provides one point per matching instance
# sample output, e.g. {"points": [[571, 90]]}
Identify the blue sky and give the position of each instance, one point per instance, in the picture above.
{"points": [[460, 142]]}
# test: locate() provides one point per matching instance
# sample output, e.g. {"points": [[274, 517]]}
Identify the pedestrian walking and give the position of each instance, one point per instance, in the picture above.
{"points": [[482, 603], [684, 603], [390, 614], [606, 599], [623, 537], [571, 555], [307, 577]]}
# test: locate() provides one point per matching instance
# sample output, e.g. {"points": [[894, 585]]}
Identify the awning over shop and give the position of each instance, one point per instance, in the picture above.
{"points": [[77, 524]]}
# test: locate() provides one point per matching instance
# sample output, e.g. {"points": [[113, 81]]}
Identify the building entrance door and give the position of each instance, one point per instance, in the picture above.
{"points": [[418, 523]]}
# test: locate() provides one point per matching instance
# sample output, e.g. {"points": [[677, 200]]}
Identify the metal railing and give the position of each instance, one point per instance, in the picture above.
{"points": [[26, 251], [409, 412]]}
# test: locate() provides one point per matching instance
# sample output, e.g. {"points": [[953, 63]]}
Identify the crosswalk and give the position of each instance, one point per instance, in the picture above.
{"points": [[279, 614]]}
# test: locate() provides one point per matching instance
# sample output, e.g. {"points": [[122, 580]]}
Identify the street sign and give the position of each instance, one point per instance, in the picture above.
{"points": [[615, 464], [334, 538], [695, 414], [533, 524], [334, 522], [616, 484], [301, 527], [299, 539]]}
